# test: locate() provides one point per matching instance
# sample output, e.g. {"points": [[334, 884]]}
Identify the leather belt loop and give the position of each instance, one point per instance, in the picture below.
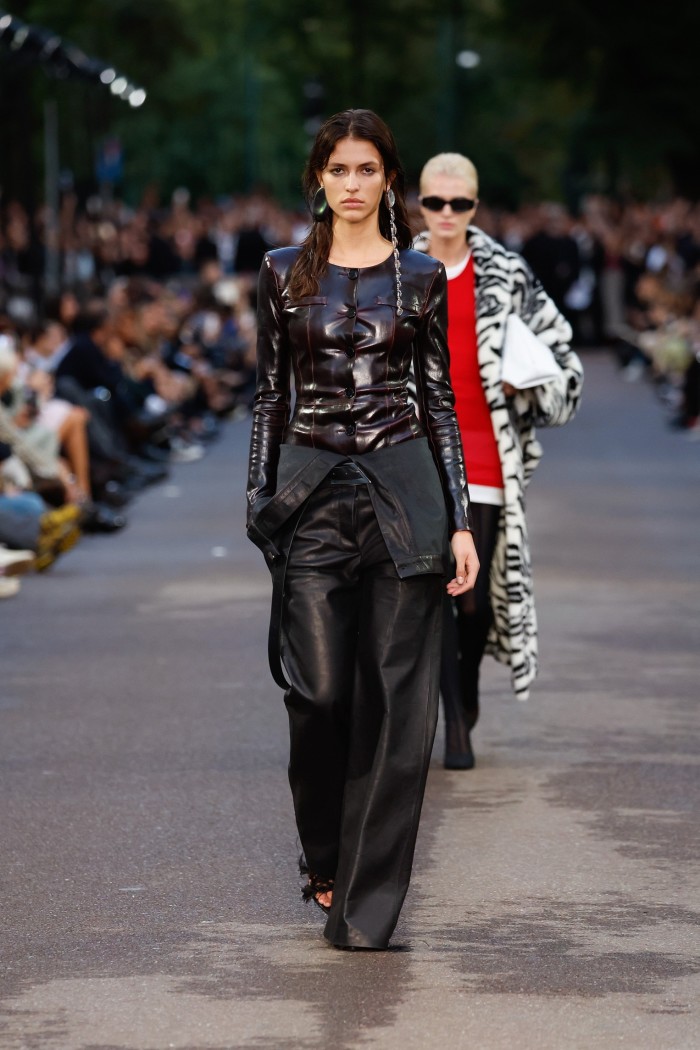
{"points": [[274, 656], [279, 572]]}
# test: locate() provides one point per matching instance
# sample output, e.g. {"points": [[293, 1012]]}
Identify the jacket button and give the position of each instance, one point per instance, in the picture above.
{"points": [[350, 351], [352, 311], [350, 391], [353, 274], [350, 429]]}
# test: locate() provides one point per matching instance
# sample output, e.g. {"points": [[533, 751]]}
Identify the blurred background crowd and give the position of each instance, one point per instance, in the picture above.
{"points": [[127, 313], [150, 343], [146, 348]]}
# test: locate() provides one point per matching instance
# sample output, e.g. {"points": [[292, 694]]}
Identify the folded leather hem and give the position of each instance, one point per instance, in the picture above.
{"points": [[355, 939]]}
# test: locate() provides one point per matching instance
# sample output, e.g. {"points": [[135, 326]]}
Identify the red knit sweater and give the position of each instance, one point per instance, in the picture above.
{"points": [[480, 449]]}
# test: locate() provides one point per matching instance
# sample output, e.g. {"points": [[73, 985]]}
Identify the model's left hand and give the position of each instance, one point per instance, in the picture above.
{"points": [[466, 562]]}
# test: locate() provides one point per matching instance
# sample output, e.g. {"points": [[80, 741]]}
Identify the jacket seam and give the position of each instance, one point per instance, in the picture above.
{"points": [[428, 294]]}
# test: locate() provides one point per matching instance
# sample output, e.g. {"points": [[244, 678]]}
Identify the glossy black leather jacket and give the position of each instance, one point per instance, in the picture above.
{"points": [[351, 357]]}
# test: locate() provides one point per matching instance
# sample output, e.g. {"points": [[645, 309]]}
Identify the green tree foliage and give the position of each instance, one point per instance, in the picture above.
{"points": [[634, 65], [568, 97]]}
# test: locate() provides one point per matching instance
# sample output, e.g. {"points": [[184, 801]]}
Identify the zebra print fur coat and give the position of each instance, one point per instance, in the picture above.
{"points": [[504, 284]]}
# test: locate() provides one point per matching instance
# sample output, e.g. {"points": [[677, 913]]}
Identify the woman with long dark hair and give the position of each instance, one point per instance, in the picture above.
{"points": [[352, 498]]}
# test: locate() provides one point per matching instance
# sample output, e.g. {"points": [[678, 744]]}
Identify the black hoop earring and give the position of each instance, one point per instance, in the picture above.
{"points": [[319, 204]]}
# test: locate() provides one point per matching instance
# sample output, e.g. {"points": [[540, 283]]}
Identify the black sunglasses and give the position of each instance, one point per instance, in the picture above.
{"points": [[458, 204]]}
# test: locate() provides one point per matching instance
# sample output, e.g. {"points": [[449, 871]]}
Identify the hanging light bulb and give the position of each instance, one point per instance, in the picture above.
{"points": [[137, 97]]}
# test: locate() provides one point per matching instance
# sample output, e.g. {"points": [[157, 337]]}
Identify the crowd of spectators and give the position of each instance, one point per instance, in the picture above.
{"points": [[627, 277], [147, 341], [145, 349]]}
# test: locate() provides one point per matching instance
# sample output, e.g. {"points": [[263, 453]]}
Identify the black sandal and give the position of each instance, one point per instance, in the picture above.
{"points": [[316, 885]]}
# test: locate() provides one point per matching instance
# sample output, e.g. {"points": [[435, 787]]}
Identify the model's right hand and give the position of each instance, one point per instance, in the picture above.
{"points": [[466, 563]]}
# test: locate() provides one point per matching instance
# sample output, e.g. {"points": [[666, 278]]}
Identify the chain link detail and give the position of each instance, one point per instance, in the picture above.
{"points": [[395, 242]]}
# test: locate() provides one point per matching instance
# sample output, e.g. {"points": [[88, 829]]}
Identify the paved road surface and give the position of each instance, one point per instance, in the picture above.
{"points": [[147, 864]]}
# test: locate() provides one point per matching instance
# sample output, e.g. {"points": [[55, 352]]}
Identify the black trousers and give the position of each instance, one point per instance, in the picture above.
{"points": [[361, 648], [466, 624]]}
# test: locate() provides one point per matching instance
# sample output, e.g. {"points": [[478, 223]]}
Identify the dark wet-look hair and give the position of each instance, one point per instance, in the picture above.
{"points": [[364, 125]]}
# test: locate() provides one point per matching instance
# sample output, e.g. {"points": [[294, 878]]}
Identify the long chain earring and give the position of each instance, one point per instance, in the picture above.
{"points": [[390, 202], [319, 204]]}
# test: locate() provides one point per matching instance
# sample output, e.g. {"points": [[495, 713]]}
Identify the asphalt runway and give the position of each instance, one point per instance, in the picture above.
{"points": [[149, 892]]}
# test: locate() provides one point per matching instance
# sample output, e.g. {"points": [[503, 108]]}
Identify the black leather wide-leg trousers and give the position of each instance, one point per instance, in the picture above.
{"points": [[361, 648]]}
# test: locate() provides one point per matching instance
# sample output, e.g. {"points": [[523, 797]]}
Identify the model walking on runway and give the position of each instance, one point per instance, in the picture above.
{"points": [[352, 499], [486, 284]]}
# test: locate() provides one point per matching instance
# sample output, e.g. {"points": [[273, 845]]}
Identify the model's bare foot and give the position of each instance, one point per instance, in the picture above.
{"points": [[319, 890]]}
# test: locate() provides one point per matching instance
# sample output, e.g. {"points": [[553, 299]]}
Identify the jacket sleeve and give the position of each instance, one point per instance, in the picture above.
{"points": [[272, 395], [556, 402], [431, 366]]}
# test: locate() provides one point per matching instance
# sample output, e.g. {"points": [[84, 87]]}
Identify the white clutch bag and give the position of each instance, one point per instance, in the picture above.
{"points": [[527, 361]]}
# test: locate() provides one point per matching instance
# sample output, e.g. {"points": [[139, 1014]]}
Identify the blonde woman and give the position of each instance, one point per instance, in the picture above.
{"points": [[485, 284]]}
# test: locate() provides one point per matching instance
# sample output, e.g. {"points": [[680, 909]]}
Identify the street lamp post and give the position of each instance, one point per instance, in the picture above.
{"points": [[251, 98], [61, 60], [52, 262], [445, 123], [448, 62]]}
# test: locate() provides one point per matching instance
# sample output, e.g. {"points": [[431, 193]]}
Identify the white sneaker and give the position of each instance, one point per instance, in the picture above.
{"points": [[155, 404], [182, 451], [633, 372], [12, 563], [8, 586]]}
